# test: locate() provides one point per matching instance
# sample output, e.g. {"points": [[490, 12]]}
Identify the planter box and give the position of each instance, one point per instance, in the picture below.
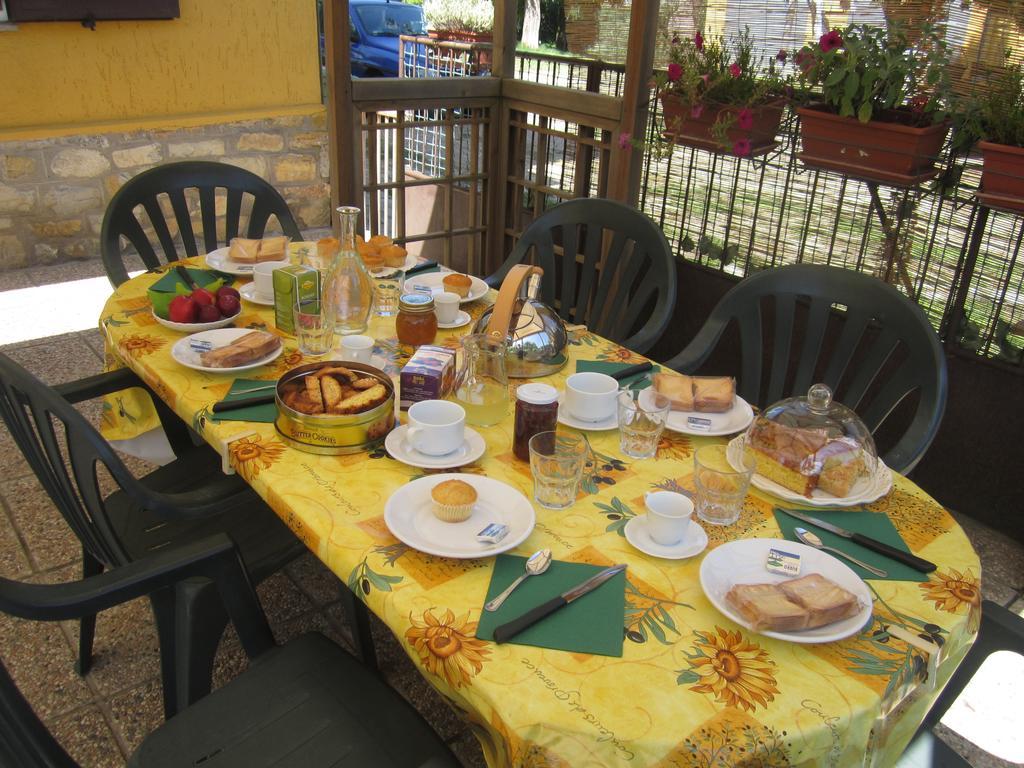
{"points": [[682, 128], [1002, 176], [890, 153], [482, 57]]}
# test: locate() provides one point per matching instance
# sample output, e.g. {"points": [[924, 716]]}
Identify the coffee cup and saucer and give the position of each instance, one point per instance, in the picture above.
{"points": [[436, 437], [589, 401], [446, 307], [261, 289], [668, 530]]}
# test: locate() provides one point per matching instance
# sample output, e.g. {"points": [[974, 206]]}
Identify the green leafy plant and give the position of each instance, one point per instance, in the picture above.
{"points": [[459, 15], [995, 113], [875, 73]]}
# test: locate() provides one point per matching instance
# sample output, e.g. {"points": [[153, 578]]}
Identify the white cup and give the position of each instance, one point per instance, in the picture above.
{"points": [[446, 306], [263, 279], [668, 517], [436, 427], [357, 349], [591, 396]]}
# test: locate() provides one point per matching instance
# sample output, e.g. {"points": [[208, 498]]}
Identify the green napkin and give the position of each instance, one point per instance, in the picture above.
{"points": [[591, 624], [874, 524], [605, 366], [266, 413], [202, 277]]}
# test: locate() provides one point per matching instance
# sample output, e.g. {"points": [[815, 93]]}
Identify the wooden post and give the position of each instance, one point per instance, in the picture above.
{"points": [[343, 119], [503, 68]]}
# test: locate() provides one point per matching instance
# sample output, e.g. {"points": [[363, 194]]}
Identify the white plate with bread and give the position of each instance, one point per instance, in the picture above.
{"points": [[435, 283], [825, 603], [242, 256], [231, 350], [703, 405], [864, 490]]}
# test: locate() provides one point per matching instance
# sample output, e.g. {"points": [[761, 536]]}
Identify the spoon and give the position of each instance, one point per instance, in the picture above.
{"points": [[812, 540], [536, 565]]}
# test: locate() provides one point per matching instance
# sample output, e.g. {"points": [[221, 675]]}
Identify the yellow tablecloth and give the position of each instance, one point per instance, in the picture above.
{"points": [[692, 688]]}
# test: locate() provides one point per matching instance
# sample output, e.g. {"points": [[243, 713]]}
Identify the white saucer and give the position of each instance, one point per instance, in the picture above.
{"points": [[248, 292], [564, 417], [472, 448], [460, 320], [693, 543]]}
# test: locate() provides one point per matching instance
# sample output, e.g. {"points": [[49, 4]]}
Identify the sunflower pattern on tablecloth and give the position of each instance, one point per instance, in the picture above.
{"points": [[952, 591], [737, 672], [447, 647], [617, 354], [249, 455], [138, 345]]}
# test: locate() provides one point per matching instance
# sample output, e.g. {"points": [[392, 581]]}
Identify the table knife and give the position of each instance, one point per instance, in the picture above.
{"points": [[243, 402], [917, 563], [631, 371], [512, 628], [421, 268], [186, 277]]}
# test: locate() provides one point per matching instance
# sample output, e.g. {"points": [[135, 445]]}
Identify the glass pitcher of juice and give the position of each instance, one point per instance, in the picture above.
{"points": [[482, 385]]}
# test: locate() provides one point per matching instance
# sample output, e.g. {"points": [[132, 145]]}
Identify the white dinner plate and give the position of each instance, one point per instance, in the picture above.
{"points": [[219, 260], [194, 327], [472, 448], [184, 354], [564, 417], [434, 281], [734, 420], [695, 541], [742, 562], [864, 491], [248, 292], [409, 515]]}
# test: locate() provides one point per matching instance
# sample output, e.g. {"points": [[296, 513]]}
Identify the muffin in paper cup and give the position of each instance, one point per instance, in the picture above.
{"points": [[453, 500]]}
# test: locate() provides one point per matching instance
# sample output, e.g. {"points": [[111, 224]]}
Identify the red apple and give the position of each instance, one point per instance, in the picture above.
{"points": [[208, 313], [182, 310], [203, 297], [227, 290], [229, 305]]}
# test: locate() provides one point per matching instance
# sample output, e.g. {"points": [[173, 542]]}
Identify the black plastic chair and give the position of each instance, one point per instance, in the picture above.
{"points": [[308, 703], [1000, 630], [885, 350], [172, 180], [628, 295], [183, 501]]}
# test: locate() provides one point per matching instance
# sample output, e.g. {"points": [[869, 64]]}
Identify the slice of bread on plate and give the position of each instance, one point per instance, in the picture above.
{"points": [[678, 389]]}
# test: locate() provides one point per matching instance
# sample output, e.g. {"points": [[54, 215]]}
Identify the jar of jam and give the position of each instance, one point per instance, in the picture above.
{"points": [[536, 411], [416, 322]]}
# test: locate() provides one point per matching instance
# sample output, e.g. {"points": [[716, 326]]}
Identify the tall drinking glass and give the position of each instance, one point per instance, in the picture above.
{"points": [[641, 420], [314, 326], [721, 489]]}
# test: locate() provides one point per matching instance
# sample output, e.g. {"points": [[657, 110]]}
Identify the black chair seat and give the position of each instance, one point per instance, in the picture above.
{"points": [[294, 707]]}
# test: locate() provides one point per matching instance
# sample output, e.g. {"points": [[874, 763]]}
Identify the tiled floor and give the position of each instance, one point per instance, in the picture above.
{"points": [[102, 717]]}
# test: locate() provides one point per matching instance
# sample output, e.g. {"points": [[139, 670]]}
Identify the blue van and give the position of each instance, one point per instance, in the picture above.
{"points": [[375, 26]]}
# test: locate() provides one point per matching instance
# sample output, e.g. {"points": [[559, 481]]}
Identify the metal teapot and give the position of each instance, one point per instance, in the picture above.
{"points": [[534, 332]]}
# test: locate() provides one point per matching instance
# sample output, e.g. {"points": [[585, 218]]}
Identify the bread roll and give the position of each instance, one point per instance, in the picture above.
{"points": [[457, 283], [394, 255]]}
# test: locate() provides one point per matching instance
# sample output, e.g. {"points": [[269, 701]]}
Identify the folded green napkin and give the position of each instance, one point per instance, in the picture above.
{"points": [[874, 524], [590, 624], [605, 366], [203, 277], [240, 388]]}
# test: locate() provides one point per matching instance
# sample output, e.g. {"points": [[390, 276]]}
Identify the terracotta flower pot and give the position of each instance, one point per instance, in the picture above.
{"points": [[483, 56], [1002, 176], [891, 153], [682, 127]]}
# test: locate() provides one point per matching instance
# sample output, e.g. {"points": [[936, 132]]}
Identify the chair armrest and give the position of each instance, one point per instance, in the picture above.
{"points": [[198, 503], [690, 359], [214, 558]]}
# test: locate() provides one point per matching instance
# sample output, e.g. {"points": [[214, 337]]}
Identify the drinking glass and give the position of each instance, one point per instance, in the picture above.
{"points": [[641, 419], [721, 489], [387, 288], [314, 326], [556, 461]]}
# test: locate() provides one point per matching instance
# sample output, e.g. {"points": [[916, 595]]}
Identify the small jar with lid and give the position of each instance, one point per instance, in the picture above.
{"points": [[416, 323], [536, 411]]}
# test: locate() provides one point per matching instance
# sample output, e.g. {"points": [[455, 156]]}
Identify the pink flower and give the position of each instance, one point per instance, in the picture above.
{"points": [[698, 41], [706, 78], [744, 119], [734, 70], [675, 71], [741, 147], [781, 55], [804, 60], [696, 111], [830, 40], [624, 140]]}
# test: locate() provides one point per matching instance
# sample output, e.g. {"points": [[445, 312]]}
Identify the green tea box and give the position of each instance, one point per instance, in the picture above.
{"points": [[293, 284]]}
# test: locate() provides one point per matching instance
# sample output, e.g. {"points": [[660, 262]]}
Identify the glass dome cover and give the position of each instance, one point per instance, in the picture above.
{"points": [[812, 443]]}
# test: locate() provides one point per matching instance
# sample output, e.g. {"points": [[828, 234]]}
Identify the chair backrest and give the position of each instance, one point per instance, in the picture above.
{"points": [[606, 265], [24, 740], [172, 180], [885, 350], [65, 451]]}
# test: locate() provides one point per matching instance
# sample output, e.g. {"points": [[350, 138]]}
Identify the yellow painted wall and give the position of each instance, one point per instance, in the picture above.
{"points": [[221, 59]]}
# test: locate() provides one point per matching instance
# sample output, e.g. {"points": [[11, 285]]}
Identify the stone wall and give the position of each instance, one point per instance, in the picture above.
{"points": [[53, 192]]}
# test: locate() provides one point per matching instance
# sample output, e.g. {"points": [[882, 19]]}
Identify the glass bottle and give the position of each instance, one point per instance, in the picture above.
{"points": [[482, 385], [348, 285]]}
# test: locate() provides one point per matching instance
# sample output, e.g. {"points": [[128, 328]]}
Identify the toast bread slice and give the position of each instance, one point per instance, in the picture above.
{"points": [[765, 606], [678, 389]]}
